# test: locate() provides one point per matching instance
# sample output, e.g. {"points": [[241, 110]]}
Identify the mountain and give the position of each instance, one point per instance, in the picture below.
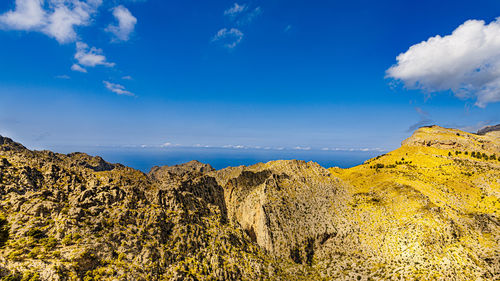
{"points": [[428, 210], [488, 129]]}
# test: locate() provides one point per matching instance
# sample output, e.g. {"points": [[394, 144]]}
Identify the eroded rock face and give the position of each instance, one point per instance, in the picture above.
{"points": [[286, 207]]}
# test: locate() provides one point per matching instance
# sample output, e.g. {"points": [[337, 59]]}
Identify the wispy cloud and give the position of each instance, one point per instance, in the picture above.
{"points": [[128, 77], [77, 67], [476, 127], [117, 89], [64, 77], [466, 62], [235, 10], [229, 38], [424, 119], [242, 14], [249, 17], [239, 15], [89, 57], [125, 24]]}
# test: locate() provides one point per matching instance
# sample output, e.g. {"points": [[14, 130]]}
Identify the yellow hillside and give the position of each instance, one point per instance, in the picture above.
{"points": [[439, 196]]}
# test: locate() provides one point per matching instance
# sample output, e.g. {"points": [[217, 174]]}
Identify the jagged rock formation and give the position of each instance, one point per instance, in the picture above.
{"points": [[75, 217], [428, 210]]}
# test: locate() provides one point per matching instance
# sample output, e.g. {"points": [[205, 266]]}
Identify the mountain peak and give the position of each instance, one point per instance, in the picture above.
{"points": [[447, 138], [8, 144]]}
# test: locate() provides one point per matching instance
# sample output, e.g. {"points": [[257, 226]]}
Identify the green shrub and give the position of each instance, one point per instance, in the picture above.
{"points": [[36, 233], [4, 230], [31, 276], [49, 243], [16, 276]]}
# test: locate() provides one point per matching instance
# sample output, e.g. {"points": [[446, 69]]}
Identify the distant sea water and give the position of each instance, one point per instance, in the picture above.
{"points": [[144, 159]]}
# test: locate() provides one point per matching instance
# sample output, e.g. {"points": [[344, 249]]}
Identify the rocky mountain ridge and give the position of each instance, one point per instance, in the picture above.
{"points": [[428, 210]]}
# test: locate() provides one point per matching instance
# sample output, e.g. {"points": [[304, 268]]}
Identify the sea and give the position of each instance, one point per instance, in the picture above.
{"points": [[144, 159]]}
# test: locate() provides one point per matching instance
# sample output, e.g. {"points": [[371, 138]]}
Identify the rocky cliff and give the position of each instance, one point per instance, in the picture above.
{"points": [[428, 210]]}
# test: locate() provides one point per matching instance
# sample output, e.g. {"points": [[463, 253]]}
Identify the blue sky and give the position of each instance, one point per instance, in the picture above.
{"points": [[260, 74]]}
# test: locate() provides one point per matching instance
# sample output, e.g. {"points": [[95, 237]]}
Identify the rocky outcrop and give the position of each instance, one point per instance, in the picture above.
{"points": [[443, 138], [76, 217], [428, 210], [189, 169], [286, 207]]}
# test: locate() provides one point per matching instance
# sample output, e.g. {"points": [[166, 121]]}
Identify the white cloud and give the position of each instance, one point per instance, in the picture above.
{"points": [[241, 14], [28, 15], [55, 18], [117, 89], [125, 26], [64, 77], [363, 149], [230, 38], [467, 62], [169, 144], [231, 146], [77, 67], [249, 17], [302, 148], [67, 15], [235, 10], [90, 57], [128, 77]]}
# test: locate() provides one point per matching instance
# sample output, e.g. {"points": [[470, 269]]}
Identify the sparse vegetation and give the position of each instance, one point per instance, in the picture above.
{"points": [[4, 230], [424, 211]]}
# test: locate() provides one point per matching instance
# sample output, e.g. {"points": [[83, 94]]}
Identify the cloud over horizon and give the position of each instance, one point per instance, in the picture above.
{"points": [[467, 63]]}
